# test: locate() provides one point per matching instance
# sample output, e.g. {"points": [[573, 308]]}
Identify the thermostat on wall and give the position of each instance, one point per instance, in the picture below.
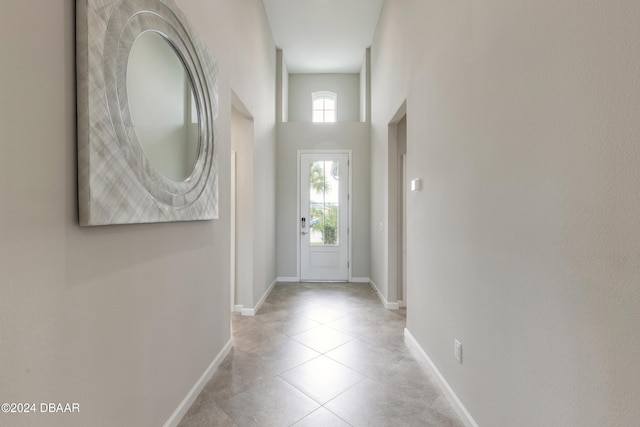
{"points": [[416, 184]]}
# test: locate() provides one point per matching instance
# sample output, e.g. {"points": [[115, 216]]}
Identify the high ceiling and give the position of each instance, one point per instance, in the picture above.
{"points": [[323, 36]]}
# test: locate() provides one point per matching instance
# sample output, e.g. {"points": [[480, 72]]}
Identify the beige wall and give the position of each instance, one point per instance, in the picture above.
{"points": [[300, 135], [300, 87], [294, 136], [522, 121], [122, 319]]}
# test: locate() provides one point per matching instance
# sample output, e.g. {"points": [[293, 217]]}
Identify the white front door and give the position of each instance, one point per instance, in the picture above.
{"points": [[324, 216]]}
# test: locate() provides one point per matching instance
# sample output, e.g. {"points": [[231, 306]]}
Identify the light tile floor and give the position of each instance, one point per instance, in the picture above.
{"points": [[320, 354]]}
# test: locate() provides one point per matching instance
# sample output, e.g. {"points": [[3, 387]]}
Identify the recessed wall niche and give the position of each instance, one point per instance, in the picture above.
{"points": [[145, 154]]}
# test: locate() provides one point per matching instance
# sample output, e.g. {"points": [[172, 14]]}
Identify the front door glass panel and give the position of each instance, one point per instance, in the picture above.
{"points": [[324, 203]]}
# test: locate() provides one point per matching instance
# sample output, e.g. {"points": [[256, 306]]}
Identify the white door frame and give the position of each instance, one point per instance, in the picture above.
{"points": [[232, 226], [402, 267], [393, 201], [298, 215]]}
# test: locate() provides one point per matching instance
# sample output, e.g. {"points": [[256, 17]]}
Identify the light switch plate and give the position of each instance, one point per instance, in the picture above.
{"points": [[457, 350]]}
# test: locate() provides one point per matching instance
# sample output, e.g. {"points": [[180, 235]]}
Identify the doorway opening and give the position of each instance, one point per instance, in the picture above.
{"points": [[397, 179], [242, 195]]}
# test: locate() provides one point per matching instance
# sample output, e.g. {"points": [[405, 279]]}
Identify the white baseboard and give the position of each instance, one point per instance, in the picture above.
{"points": [[252, 311], [264, 297], [388, 305], [451, 396], [297, 279], [238, 308], [248, 312], [186, 403]]}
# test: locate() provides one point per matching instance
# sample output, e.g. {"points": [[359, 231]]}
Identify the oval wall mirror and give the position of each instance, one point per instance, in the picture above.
{"points": [[147, 111], [162, 104]]}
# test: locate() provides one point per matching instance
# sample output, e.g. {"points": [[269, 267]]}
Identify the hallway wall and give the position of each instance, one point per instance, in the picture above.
{"points": [[300, 88], [294, 136], [121, 319], [300, 135], [522, 122]]}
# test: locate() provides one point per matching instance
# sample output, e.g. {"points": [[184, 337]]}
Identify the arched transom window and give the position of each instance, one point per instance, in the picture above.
{"points": [[324, 106]]}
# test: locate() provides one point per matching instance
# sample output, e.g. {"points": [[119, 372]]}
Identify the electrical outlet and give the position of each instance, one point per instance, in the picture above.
{"points": [[380, 226], [457, 350]]}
